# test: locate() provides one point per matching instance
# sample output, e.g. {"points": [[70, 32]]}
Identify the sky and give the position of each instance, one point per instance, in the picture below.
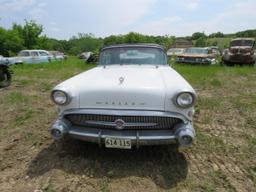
{"points": [[62, 19]]}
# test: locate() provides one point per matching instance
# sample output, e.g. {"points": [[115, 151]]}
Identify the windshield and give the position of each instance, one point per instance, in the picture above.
{"points": [[241, 43], [133, 55], [196, 51]]}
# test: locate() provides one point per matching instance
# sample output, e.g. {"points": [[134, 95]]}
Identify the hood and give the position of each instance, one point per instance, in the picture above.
{"points": [[125, 87], [138, 87], [240, 49]]}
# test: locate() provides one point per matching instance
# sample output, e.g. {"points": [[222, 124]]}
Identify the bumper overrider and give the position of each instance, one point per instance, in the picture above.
{"points": [[140, 127]]}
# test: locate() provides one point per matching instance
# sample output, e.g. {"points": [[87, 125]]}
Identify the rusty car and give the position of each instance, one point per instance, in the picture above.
{"points": [[241, 51], [197, 55]]}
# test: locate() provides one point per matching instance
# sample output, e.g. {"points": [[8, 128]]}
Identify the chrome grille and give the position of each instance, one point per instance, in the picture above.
{"points": [[131, 122]]}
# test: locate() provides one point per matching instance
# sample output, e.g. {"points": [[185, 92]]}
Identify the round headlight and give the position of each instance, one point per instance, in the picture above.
{"points": [[185, 100], [60, 97]]}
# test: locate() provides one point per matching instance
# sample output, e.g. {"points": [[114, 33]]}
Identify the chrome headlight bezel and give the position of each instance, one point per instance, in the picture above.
{"points": [[65, 93], [178, 103]]}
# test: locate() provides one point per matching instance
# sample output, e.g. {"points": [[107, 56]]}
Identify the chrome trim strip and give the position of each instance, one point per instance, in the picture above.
{"points": [[124, 113], [122, 136], [125, 125], [138, 138]]}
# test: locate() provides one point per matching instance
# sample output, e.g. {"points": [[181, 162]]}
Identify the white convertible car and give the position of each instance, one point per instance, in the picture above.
{"points": [[132, 98]]}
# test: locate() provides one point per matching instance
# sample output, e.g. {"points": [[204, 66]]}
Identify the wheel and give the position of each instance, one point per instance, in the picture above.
{"points": [[5, 79], [251, 64], [224, 63], [229, 64]]}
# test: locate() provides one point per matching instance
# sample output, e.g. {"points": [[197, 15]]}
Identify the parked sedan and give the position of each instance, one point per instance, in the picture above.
{"points": [[3, 60], [57, 55], [84, 56], [197, 55], [31, 56], [215, 50], [132, 98], [175, 52]]}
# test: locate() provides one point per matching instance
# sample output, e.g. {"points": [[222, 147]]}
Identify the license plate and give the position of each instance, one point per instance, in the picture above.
{"points": [[113, 142]]}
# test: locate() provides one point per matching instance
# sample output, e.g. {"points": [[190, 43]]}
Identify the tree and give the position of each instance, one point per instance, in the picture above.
{"points": [[218, 34], [50, 44], [113, 39], [30, 33], [201, 42], [214, 43], [10, 42], [198, 35], [84, 42], [247, 33], [133, 37]]}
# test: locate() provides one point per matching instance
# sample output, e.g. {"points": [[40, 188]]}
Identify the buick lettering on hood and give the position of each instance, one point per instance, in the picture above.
{"points": [[132, 98]]}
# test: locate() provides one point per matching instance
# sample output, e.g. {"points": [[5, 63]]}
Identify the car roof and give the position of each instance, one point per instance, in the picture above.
{"points": [[198, 48], [133, 45], [176, 48], [34, 50], [213, 47], [239, 39]]}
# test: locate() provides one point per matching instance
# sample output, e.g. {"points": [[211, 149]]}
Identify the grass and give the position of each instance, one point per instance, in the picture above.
{"points": [[55, 70], [222, 159]]}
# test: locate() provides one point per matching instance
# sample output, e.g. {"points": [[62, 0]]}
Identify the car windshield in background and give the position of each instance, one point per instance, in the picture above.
{"points": [[132, 55], [175, 51], [241, 43], [196, 51]]}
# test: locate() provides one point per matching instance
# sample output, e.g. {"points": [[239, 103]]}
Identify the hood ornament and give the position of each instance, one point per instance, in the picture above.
{"points": [[121, 80]]}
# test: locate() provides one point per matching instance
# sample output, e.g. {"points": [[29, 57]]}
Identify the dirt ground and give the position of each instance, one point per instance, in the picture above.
{"points": [[223, 157]]}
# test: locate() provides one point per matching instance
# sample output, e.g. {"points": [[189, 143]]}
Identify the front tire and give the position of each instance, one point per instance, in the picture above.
{"points": [[227, 63], [6, 79]]}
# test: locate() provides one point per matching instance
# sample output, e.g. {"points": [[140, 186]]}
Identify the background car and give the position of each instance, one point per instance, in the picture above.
{"points": [[31, 56], [215, 50], [241, 51], [197, 55], [175, 52], [89, 57], [3, 60], [85, 55], [57, 55]]}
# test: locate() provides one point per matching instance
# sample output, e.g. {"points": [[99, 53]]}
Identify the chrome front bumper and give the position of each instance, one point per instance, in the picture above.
{"points": [[182, 134]]}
